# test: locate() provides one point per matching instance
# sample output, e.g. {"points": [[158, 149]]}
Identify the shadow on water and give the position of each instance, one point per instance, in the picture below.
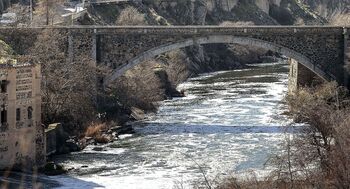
{"points": [[268, 72], [15, 180], [177, 129]]}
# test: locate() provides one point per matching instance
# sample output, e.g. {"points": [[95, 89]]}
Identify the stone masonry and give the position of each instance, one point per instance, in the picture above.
{"points": [[22, 142], [321, 49]]}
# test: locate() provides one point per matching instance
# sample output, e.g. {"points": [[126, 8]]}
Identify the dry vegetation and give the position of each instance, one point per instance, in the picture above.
{"points": [[151, 81], [176, 65], [69, 86], [318, 156], [326, 109], [96, 131], [139, 87]]}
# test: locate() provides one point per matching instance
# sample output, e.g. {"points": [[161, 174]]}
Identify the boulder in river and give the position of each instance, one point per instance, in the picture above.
{"points": [[52, 169]]}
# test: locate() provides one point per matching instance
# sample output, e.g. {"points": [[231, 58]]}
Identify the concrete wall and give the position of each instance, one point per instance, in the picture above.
{"points": [[54, 135], [22, 143], [50, 134]]}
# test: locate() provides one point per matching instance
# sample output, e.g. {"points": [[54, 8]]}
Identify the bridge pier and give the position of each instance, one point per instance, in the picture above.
{"points": [[299, 76]]}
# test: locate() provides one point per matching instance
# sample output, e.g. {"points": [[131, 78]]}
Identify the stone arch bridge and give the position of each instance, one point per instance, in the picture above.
{"points": [[323, 50]]}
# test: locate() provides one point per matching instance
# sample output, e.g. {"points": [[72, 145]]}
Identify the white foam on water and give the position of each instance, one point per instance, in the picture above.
{"points": [[225, 126]]}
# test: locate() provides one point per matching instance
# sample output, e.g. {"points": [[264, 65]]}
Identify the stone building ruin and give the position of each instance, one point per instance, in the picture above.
{"points": [[22, 141]]}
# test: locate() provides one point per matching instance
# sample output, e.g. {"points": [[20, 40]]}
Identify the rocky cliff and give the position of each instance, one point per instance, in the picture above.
{"points": [[328, 8], [4, 4], [267, 12]]}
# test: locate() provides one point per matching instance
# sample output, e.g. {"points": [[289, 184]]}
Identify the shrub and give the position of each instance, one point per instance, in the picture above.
{"points": [[139, 87], [95, 130], [69, 86], [177, 67], [318, 156], [326, 109]]}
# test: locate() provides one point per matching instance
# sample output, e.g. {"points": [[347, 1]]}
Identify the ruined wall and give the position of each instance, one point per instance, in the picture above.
{"points": [[22, 143]]}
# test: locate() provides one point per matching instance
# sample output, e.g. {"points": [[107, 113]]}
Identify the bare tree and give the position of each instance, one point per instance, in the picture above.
{"points": [[139, 87], [325, 142], [68, 87]]}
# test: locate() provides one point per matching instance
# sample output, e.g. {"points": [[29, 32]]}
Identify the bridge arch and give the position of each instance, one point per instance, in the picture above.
{"points": [[216, 39]]}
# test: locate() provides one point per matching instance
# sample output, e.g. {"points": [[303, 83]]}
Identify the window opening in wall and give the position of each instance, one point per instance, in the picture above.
{"points": [[3, 86], [3, 117], [30, 112], [18, 114]]}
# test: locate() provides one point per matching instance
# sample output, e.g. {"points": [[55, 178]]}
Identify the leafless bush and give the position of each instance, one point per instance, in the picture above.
{"points": [[139, 87], [176, 66], [68, 86], [94, 130], [131, 16], [326, 109]]}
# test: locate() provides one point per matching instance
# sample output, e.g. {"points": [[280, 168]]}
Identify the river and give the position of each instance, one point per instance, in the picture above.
{"points": [[230, 122]]}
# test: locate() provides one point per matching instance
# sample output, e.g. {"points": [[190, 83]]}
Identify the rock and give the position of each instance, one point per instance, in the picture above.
{"points": [[104, 139], [137, 113], [120, 130], [63, 150], [72, 145], [52, 169], [176, 93], [98, 149]]}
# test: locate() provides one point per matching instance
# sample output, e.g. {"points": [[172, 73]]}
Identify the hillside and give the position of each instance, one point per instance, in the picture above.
{"points": [[186, 12], [214, 12]]}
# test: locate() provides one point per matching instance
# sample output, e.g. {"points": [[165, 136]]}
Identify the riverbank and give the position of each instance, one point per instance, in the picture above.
{"points": [[233, 110], [102, 133], [221, 110], [108, 131], [317, 157]]}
